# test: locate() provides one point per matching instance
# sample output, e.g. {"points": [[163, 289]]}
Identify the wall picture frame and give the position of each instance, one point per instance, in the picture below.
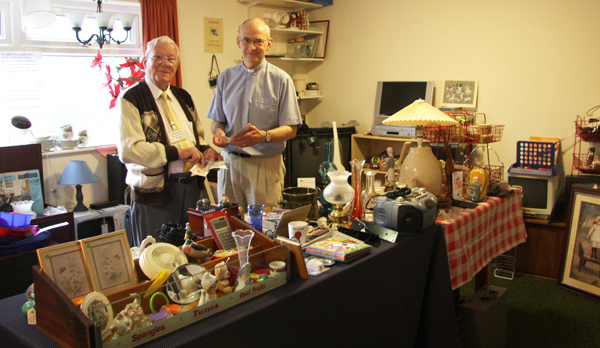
{"points": [[65, 265], [109, 261], [321, 49], [580, 271], [460, 93]]}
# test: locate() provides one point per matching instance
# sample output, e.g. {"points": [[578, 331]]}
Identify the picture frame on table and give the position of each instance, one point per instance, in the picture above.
{"points": [[65, 265], [580, 271], [109, 261], [460, 93], [321, 48]]}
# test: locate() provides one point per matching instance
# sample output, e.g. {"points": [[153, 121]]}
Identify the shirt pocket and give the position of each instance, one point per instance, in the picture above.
{"points": [[263, 112]]}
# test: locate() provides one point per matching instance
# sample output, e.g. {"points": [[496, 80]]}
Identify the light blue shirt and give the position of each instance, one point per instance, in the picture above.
{"points": [[264, 97]]}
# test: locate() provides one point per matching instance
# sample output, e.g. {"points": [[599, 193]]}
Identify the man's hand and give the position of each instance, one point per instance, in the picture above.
{"points": [[217, 138], [252, 137], [192, 155], [212, 155]]}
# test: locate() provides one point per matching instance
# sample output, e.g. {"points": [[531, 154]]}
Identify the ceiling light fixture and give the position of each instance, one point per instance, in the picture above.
{"points": [[105, 25]]}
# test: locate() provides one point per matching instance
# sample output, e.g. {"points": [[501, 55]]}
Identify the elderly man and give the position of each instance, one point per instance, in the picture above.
{"points": [[161, 137], [261, 97]]}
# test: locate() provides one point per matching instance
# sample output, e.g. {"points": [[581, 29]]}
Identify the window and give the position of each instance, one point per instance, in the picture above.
{"points": [[47, 76]]}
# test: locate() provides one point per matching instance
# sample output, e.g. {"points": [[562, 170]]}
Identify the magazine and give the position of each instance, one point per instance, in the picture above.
{"points": [[22, 186], [340, 249]]}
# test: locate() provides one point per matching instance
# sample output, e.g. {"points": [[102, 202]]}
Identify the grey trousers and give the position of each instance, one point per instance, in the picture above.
{"points": [[148, 219]]}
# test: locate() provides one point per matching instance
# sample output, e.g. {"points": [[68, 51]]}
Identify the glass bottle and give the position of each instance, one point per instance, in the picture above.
{"points": [[327, 165], [368, 201], [357, 207]]}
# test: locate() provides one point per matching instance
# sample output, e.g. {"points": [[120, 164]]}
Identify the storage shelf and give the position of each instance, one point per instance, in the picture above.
{"points": [[297, 60], [287, 4], [288, 31]]}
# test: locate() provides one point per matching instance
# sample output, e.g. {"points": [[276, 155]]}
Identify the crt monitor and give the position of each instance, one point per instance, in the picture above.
{"points": [[393, 96]]}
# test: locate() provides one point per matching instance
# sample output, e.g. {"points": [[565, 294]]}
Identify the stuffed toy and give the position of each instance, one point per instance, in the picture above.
{"points": [[225, 282]]}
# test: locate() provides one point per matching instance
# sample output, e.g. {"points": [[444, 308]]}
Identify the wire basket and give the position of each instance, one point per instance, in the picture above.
{"points": [[495, 172], [588, 128]]}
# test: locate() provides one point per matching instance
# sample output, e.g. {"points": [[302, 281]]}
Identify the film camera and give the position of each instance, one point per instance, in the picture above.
{"points": [[406, 210]]}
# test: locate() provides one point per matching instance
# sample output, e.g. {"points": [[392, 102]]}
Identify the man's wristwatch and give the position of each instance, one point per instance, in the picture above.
{"points": [[268, 137]]}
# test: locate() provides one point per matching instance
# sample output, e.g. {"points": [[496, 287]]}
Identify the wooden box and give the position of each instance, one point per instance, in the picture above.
{"points": [[61, 320]]}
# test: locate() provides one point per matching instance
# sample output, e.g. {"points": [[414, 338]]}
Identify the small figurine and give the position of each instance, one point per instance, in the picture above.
{"points": [[131, 318], [188, 232], [225, 283], [209, 283], [196, 252], [390, 184], [203, 204], [225, 203]]}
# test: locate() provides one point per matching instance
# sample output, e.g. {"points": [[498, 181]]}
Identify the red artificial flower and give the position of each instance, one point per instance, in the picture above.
{"points": [[108, 77], [97, 61], [115, 94]]}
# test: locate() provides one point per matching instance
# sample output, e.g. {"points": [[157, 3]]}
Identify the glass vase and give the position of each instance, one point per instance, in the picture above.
{"points": [[243, 238], [368, 201], [357, 207], [327, 165]]}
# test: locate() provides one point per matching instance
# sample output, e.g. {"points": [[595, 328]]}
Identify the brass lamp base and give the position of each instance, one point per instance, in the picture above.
{"points": [[338, 215]]}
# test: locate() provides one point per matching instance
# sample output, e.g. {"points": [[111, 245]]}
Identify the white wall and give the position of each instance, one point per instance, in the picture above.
{"points": [[536, 61]]}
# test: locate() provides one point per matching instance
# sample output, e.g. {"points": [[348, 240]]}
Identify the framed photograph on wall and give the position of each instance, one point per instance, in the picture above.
{"points": [[322, 42], [460, 94], [109, 260], [65, 265], [581, 262]]}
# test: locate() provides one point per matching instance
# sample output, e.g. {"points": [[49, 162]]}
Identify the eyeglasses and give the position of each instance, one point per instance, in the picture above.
{"points": [[172, 61], [256, 43]]}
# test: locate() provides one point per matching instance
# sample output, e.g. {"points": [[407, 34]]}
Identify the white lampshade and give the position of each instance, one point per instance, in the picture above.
{"points": [[76, 19], [37, 13], [127, 20], [420, 113], [103, 19]]}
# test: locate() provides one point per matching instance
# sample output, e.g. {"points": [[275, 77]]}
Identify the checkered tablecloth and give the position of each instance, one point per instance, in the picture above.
{"points": [[478, 235]]}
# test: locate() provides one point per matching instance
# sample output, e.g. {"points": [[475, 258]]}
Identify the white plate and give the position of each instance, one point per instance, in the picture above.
{"points": [[97, 307]]}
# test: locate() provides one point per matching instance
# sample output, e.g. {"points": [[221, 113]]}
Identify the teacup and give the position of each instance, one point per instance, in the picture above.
{"points": [[276, 267], [66, 132], [298, 230]]}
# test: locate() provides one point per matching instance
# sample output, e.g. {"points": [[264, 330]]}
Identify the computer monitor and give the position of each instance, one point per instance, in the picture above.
{"points": [[393, 96]]}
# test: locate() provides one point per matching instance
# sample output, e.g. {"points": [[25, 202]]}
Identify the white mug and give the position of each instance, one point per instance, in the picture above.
{"points": [[298, 230]]}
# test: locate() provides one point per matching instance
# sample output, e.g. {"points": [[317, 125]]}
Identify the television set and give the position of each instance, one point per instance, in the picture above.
{"points": [[538, 193], [393, 96]]}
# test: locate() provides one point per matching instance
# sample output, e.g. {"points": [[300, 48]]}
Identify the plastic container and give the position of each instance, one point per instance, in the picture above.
{"points": [[15, 219]]}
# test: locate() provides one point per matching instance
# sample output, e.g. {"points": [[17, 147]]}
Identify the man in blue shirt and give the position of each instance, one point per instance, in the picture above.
{"points": [[258, 100]]}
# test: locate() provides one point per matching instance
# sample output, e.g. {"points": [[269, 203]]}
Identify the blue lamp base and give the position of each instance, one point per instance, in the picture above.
{"points": [[79, 197]]}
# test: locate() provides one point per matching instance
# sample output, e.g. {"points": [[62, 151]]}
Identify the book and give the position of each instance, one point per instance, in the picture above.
{"points": [[24, 185], [340, 249]]}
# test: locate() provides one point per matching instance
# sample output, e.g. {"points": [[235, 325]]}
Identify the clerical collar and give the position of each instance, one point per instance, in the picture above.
{"points": [[258, 67]]}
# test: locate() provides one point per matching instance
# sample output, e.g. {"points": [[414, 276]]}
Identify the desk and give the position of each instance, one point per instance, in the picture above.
{"points": [[401, 294], [478, 235]]}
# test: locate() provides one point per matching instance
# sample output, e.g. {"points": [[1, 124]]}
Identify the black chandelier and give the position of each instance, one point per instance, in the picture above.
{"points": [[105, 23]]}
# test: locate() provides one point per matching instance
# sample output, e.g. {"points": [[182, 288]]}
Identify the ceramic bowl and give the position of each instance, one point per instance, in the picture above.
{"points": [[41, 139], [47, 145], [68, 144]]}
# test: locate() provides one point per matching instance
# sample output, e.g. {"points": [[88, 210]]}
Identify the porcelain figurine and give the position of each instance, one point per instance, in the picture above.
{"points": [[209, 283], [131, 318]]}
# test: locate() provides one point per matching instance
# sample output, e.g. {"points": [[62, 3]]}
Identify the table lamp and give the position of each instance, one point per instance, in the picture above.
{"points": [[339, 193], [421, 164], [77, 173]]}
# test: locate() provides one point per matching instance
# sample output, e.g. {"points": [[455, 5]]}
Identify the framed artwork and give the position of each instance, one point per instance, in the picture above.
{"points": [[322, 42], [460, 94], [109, 261], [65, 265], [581, 262]]}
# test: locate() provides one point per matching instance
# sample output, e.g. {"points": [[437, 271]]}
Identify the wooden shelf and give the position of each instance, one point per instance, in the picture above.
{"points": [[286, 4]]}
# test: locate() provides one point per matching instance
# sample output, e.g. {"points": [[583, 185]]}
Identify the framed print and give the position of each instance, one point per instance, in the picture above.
{"points": [[460, 94], [65, 265], [109, 260], [581, 262], [322, 42]]}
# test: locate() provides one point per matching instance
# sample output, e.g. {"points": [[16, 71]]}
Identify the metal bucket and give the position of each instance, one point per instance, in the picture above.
{"points": [[296, 197]]}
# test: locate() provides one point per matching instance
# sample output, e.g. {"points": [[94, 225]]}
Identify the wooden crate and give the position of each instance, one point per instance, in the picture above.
{"points": [[61, 320]]}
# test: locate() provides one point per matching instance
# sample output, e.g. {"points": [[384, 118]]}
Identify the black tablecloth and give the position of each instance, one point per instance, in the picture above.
{"points": [[400, 295]]}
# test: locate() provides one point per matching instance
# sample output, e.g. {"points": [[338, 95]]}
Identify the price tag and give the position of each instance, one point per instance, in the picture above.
{"points": [[31, 320], [104, 227]]}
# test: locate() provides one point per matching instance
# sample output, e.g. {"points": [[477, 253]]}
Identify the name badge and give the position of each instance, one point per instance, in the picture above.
{"points": [[177, 136]]}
